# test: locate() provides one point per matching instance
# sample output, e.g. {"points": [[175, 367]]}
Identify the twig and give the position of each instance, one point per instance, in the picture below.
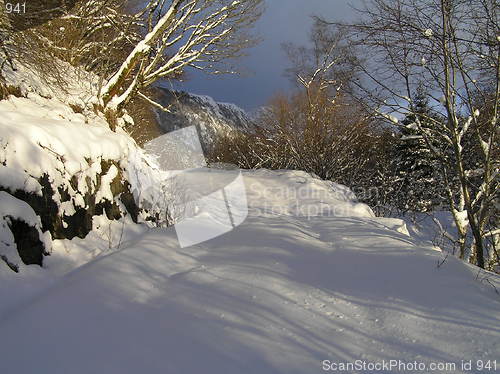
{"points": [[440, 263], [492, 285]]}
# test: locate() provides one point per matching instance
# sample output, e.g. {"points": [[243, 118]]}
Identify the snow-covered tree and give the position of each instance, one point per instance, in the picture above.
{"points": [[200, 34], [453, 47], [418, 186]]}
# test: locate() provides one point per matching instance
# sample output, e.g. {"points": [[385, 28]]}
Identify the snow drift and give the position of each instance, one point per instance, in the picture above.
{"points": [[285, 292]]}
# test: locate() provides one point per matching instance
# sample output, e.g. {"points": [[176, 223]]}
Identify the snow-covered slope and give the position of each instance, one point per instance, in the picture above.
{"points": [[210, 117], [61, 165], [310, 279]]}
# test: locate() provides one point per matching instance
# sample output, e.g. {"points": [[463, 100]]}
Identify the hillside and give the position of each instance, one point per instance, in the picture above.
{"points": [[211, 118], [61, 166]]}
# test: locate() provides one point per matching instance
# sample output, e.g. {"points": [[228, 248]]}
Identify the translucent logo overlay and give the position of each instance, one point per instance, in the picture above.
{"points": [[204, 203]]}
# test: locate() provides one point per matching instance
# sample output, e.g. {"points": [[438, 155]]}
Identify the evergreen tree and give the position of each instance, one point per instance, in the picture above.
{"points": [[417, 177]]}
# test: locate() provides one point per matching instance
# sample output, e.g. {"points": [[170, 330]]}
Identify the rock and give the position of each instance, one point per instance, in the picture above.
{"points": [[30, 248], [27, 238]]}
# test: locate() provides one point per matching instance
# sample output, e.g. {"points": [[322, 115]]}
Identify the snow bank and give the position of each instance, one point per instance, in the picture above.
{"points": [[79, 89], [298, 193], [40, 137]]}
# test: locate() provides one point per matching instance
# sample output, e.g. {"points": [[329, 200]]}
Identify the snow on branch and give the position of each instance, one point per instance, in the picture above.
{"points": [[201, 34]]}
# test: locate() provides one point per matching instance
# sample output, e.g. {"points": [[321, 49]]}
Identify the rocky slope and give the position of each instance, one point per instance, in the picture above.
{"points": [[210, 117], [60, 167]]}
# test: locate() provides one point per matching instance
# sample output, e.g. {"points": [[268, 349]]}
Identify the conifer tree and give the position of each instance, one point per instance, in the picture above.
{"points": [[417, 181]]}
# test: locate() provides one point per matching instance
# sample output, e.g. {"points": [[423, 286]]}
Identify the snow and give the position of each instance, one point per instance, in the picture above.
{"points": [[215, 107], [80, 87], [290, 287], [53, 142], [428, 33], [212, 119], [107, 179], [17, 209], [389, 117], [13, 180]]}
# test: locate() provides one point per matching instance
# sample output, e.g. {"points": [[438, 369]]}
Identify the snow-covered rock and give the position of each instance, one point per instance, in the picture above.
{"points": [[21, 236], [66, 165]]}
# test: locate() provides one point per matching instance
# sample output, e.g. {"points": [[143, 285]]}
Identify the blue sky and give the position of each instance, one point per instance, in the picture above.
{"points": [[283, 21]]}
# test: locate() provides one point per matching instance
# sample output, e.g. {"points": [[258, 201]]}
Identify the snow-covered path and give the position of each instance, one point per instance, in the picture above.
{"points": [[279, 294]]}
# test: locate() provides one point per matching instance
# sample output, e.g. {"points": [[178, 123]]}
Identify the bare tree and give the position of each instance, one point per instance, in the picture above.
{"points": [[201, 34], [318, 128], [327, 65], [450, 47], [308, 131], [93, 35]]}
